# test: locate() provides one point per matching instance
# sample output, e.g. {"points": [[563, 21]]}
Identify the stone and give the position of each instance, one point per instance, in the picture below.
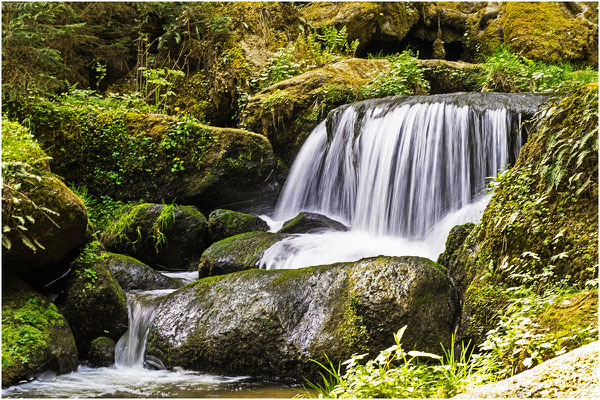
{"points": [[163, 236], [260, 322], [132, 274], [306, 222], [237, 253], [226, 223], [102, 352], [35, 336]]}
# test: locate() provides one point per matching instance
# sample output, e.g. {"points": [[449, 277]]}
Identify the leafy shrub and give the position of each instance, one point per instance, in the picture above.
{"points": [[395, 373], [403, 78], [504, 71], [310, 50]]}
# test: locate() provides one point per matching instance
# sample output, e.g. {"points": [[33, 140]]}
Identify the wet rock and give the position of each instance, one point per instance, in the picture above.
{"points": [[35, 336], [273, 322], [102, 352], [226, 223], [236, 253], [450, 257], [571, 375], [306, 222], [135, 275], [94, 303], [162, 236]]}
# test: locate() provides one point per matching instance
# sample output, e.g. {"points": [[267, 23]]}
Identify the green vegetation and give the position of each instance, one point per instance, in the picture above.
{"points": [[504, 71], [403, 77], [310, 50], [24, 167], [396, 373]]}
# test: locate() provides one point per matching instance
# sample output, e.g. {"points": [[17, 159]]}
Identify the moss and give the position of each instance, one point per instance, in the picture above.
{"points": [[541, 225], [544, 31], [133, 155], [34, 333], [572, 321], [226, 223]]}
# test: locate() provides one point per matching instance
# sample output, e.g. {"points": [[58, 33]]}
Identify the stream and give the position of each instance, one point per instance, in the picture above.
{"points": [[135, 376], [399, 173]]}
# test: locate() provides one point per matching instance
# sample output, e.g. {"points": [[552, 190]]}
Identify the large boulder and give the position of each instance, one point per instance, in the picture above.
{"points": [[541, 225], [236, 253], [306, 222], [35, 336], [162, 236], [260, 322], [94, 303], [226, 223], [571, 375], [42, 219], [132, 274], [287, 111], [134, 155]]}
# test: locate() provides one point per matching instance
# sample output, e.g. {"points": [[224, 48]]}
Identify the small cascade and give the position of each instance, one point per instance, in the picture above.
{"points": [[131, 348]]}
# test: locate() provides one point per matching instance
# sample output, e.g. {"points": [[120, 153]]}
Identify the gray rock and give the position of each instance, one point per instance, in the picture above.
{"points": [[259, 322], [306, 222], [135, 275]]}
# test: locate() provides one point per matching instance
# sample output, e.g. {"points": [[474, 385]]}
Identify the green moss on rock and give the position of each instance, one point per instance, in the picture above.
{"points": [[546, 31], [35, 336], [226, 223], [135, 155], [162, 236], [541, 225], [95, 305]]}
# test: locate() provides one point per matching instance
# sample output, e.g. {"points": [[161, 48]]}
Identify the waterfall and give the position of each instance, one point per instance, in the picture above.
{"points": [[399, 171], [397, 167], [131, 348]]}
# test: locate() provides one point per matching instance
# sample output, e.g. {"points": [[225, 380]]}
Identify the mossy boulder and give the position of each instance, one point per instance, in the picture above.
{"points": [[43, 220], [260, 322], [132, 274], [135, 155], [287, 111], [237, 253], [102, 352], [450, 259], [162, 236], [35, 336], [549, 31], [226, 223], [94, 303], [306, 222], [541, 225]]}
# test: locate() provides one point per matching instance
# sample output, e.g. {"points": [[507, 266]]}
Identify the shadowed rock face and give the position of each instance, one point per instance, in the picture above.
{"points": [[306, 222], [134, 275], [273, 322]]}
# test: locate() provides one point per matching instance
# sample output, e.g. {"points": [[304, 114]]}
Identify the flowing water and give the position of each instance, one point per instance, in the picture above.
{"points": [[400, 172], [136, 375]]}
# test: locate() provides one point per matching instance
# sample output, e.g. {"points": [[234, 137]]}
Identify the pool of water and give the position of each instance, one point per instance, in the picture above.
{"points": [[113, 382]]}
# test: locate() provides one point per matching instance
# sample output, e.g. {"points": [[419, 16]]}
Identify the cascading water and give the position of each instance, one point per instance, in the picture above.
{"points": [[396, 171], [130, 349]]}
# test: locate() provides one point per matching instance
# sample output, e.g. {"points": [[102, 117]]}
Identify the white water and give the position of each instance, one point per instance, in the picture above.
{"points": [[400, 177]]}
